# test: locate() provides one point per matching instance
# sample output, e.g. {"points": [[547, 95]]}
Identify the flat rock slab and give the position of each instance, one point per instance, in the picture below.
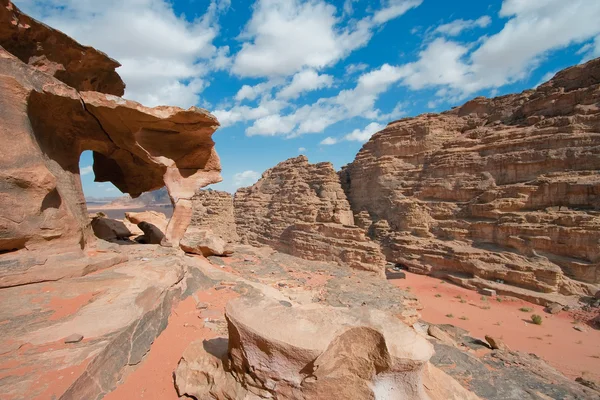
{"points": [[116, 314]]}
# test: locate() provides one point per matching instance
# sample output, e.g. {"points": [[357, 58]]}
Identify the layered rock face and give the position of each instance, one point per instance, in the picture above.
{"points": [[213, 210], [45, 124], [504, 189], [276, 350], [300, 209]]}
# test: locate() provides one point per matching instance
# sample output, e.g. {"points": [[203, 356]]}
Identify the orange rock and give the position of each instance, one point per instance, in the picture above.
{"points": [[504, 189]]}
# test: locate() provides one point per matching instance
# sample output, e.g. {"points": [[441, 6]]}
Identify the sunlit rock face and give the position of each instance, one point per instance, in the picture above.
{"points": [[300, 209], [504, 189], [49, 116]]}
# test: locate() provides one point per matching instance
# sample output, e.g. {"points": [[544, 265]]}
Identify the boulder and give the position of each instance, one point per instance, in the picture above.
{"points": [[440, 335], [312, 352], [152, 235], [203, 242], [553, 308], [155, 218], [495, 343], [109, 229]]}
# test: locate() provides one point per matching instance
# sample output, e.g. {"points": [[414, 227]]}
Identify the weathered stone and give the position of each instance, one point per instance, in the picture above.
{"points": [[213, 210], [440, 335], [487, 292], [46, 124], [523, 376], [554, 308], [152, 234], [504, 189], [155, 218], [56, 54], [300, 209], [109, 229], [204, 242], [74, 338], [495, 343], [312, 352]]}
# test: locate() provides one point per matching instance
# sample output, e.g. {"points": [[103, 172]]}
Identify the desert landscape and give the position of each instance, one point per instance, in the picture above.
{"points": [[457, 256]]}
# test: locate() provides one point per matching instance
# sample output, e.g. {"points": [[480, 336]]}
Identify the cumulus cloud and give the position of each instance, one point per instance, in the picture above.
{"points": [[328, 141], [457, 26], [245, 178], [357, 135], [508, 56], [165, 57], [286, 36], [86, 170], [365, 134], [301, 149], [305, 81]]}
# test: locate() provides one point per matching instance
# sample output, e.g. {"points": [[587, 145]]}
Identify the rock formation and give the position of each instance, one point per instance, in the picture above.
{"points": [[499, 193], [213, 209], [300, 209], [310, 352], [56, 54], [47, 120]]}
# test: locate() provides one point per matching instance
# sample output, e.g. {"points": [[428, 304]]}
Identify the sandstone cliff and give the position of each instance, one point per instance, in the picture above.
{"points": [[502, 191], [301, 209]]}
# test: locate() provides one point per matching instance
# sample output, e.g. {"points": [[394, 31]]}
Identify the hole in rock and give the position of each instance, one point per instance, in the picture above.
{"points": [[107, 207]]}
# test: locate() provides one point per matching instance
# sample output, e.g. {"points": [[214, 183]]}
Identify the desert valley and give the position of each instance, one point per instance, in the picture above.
{"points": [[457, 256]]}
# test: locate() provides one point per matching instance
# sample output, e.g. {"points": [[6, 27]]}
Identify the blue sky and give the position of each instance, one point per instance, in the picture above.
{"points": [[318, 77]]}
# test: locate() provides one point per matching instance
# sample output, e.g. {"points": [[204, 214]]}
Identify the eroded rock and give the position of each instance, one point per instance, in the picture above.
{"points": [[504, 190], [300, 209], [48, 117], [310, 352], [204, 242]]}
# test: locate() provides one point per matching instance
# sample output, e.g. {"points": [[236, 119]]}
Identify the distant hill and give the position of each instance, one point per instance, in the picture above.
{"points": [[155, 198]]}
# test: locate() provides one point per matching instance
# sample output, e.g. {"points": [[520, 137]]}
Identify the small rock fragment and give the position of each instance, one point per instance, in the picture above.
{"points": [[553, 308], [74, 338], [201, 306], [487, 292], [496, 343]]}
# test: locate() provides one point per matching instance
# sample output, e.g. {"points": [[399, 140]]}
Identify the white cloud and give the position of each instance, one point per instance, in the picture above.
{"points": [[590, 50], [316, 117], [527, 38], [286, 36], [394, 9], [252, 92], [358, 135], [305, 81], [547, 76], [86, 170], [328, 141], [353, 68], [301, 149], [245, 178], [456, 27], [164, 57]]}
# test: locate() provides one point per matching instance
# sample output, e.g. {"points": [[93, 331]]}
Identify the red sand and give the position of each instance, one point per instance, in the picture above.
{"points": [[572, 352], [64, 307], [153, 379]]}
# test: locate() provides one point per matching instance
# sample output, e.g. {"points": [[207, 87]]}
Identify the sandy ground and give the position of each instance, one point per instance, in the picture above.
{"points": [[572, 352], [153, 379]]}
